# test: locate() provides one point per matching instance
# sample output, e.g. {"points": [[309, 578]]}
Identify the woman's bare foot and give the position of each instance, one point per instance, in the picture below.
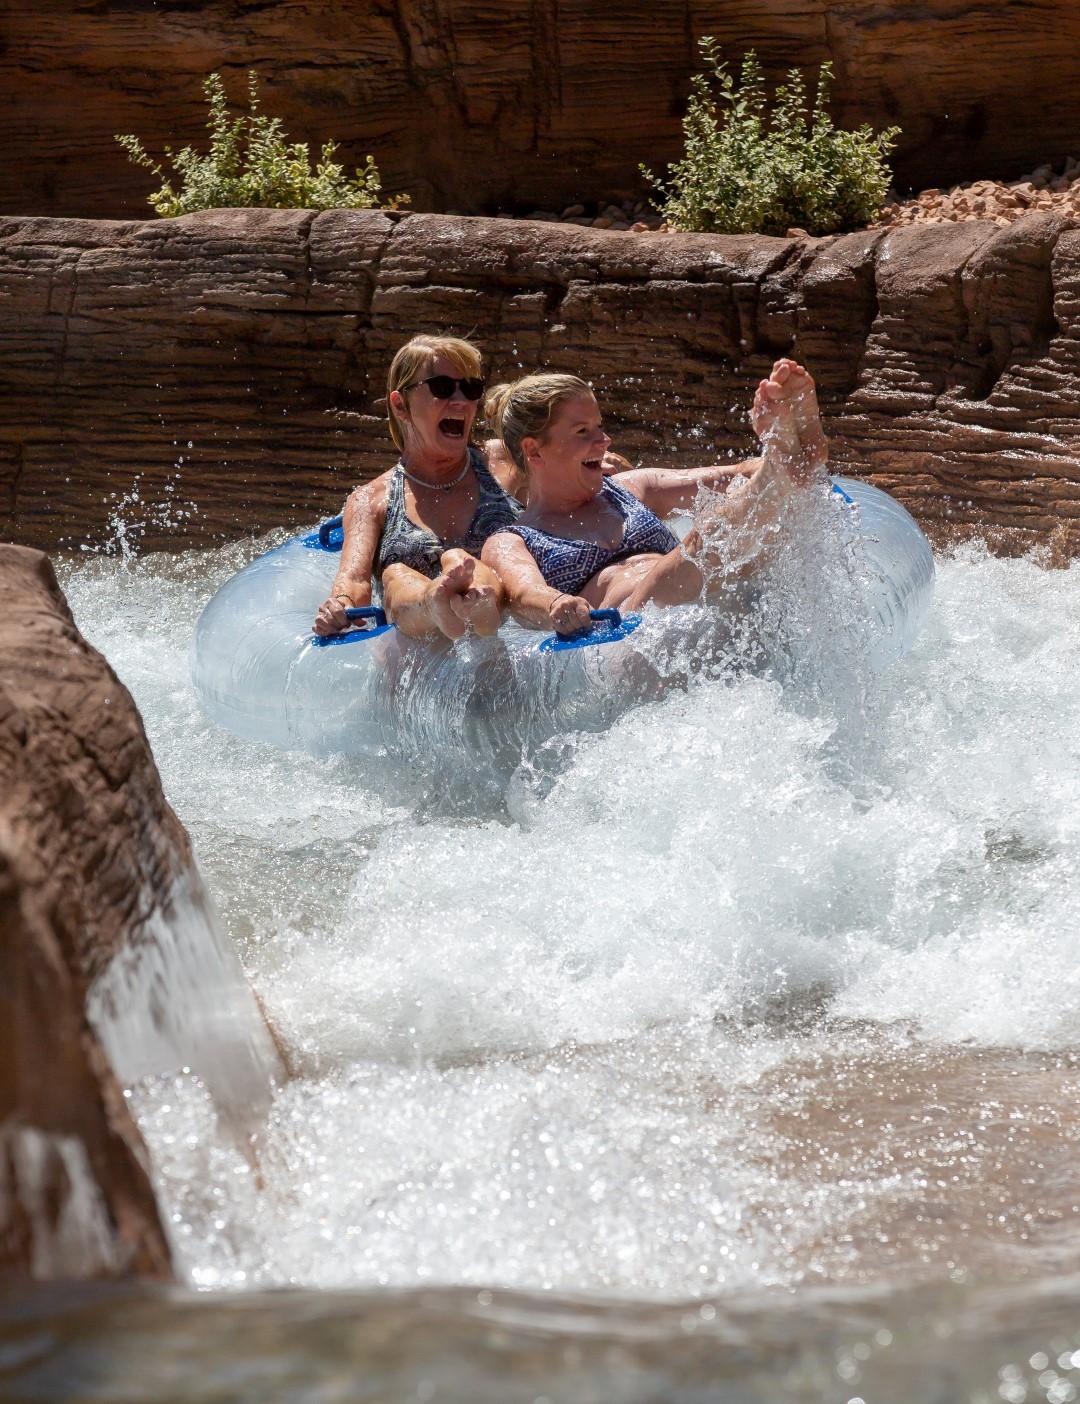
{"points": [[458, 600], [773, 418], [441, 597], [478, 608], [786, 417], [753, 512], [800, 382]]}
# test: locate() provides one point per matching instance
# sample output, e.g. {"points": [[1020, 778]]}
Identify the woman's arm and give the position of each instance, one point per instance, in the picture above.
{"points": [[531, 600], [363, 521], [667, 490]]}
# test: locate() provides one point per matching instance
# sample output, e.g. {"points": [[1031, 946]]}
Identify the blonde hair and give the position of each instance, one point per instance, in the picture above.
{"points": [[523, 409], [412, 361]]}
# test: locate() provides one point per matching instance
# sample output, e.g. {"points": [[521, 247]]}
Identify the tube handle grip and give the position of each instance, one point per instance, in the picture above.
{"points": [[609, 616], [356, 612], [334, 524]]}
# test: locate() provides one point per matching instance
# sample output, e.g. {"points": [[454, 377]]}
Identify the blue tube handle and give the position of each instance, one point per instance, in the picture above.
{"points": [[610, 616], [334, 524], [367, 612]]}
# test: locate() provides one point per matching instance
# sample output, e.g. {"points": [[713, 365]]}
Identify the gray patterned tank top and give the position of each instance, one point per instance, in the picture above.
{"points": [[402, 540]]}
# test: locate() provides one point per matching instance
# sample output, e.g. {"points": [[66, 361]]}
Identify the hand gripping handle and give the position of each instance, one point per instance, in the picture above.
{"points": [[608, 616]]}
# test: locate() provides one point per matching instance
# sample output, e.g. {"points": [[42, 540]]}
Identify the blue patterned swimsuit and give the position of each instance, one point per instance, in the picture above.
{"points": [[568, 565], [405, 542]]}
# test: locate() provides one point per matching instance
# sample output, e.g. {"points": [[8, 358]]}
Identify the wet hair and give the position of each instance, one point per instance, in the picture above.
{"points": [[523, 409], [411, 364]]}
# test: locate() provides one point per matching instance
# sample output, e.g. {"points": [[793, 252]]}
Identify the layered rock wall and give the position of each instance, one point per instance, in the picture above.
{"points": [[111, 966], [530, 104], [186, 380], [85, 835]]}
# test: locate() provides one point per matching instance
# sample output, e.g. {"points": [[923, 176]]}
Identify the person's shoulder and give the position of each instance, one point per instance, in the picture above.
{"points": [[493, 456], [506, 538], [370, 496], [635, 482], [503, 469]]}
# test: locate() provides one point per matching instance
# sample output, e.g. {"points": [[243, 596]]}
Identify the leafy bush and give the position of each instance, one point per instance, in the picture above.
{"points": [[251, 162], [747, 170]]}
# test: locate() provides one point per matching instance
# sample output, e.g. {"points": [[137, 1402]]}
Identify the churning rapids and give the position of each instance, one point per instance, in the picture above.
{"points": [[764, 989]]}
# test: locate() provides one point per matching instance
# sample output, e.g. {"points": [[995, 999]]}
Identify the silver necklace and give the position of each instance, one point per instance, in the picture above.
{"points": [[436, 487]]}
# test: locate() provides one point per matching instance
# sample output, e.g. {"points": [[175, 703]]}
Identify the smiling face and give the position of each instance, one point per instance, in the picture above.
{"points": [[435, 430], [569, 454]]}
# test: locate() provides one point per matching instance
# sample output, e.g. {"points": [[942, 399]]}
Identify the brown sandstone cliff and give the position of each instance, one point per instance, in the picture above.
{"points": [[84, 833], [220, 374], [530, 104], [111, 965]]}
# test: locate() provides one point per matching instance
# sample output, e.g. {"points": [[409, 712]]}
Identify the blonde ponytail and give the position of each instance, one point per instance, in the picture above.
{"points": [[495, 406]]}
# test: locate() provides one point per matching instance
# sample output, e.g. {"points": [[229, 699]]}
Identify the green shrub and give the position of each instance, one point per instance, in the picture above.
{"points": [[747, 170], [251, 163]]}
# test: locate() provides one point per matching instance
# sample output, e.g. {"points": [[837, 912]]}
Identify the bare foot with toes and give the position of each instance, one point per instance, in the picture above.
{"points": [[478, 609], [785, 417], [800, 384], [457, 602], [442, 595], [774, 424]]}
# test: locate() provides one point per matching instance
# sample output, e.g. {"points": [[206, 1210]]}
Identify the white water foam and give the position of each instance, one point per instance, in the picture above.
{"points": [[541, 1043], [176, 998], [49, 1187]]}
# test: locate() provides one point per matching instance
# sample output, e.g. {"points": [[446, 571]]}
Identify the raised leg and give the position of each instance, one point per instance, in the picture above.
{"points": [[738, 535], [786, 419], [794, 453]]}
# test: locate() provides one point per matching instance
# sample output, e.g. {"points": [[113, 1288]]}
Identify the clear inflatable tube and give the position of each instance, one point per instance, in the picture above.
{"points": [[260, 673]]}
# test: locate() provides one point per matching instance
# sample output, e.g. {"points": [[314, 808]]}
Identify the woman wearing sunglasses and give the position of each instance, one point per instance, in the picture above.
{"points": [[587, 541], [419, 528]]}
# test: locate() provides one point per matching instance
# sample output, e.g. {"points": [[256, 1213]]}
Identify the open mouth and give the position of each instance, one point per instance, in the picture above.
{"points": [[596, 463], [452, 428]]}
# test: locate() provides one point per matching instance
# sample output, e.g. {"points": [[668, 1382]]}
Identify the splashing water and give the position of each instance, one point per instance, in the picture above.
{"points": [[764, 986], [131, 514]]}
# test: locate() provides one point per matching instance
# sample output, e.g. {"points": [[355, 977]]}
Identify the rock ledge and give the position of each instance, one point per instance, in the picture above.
{"points": [[188, 380]]}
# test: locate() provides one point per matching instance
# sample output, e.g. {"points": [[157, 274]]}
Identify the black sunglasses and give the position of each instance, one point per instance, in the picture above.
{"points": [[443, 386]]}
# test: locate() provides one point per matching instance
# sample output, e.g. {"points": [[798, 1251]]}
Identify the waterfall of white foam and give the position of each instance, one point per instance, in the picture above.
{"points": [[177, 999]]}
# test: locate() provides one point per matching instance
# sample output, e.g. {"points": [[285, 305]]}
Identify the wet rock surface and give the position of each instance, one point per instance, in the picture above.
{"points": [[86, 838], [113, 966], [187, 380], [536, 105]]}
